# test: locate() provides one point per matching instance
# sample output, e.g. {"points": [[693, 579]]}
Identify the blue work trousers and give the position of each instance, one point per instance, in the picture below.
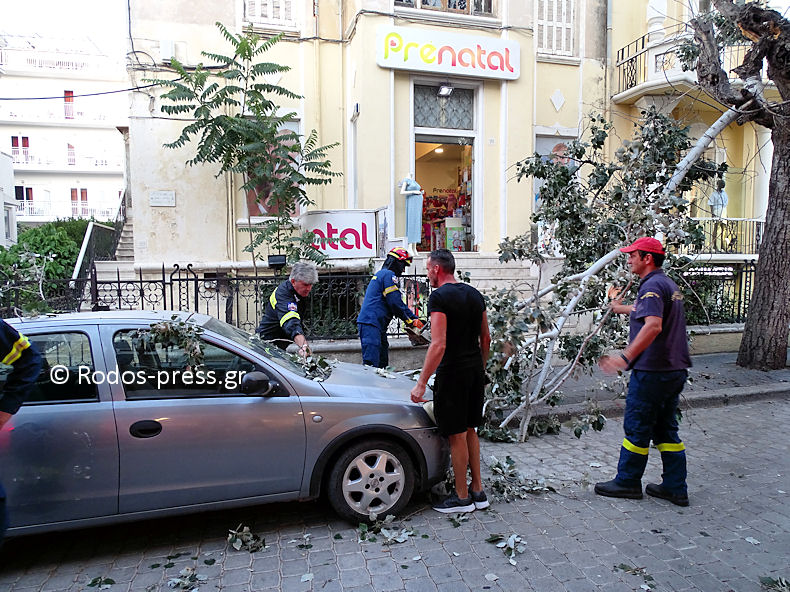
{"points": [[375, 347], [650, 409]]}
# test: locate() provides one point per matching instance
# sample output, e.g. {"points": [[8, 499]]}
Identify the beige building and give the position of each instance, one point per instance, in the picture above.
{"points": [[59, 121], [449, 92]]}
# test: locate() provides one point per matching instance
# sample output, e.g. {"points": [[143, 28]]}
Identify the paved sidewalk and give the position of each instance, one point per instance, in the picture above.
{"points": [[736, 530]]}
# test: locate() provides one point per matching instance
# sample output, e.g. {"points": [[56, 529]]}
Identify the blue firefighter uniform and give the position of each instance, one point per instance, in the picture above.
{"points": [[282, 316], [25, 362], [382, 302]]}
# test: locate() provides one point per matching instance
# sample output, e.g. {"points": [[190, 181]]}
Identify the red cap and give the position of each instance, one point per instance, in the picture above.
{"points": [[646, 244]]}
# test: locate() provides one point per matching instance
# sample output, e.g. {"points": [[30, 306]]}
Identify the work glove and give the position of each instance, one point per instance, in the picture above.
{"points": [[415, 324]]}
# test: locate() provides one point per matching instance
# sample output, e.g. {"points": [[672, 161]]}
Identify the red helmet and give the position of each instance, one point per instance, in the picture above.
{"points": [[401, 254]]}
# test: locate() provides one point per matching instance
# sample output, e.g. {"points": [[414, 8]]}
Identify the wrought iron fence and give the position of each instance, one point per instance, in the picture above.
{"points": [[713, 293], [717, 293], [332, 310], [736, 236]]}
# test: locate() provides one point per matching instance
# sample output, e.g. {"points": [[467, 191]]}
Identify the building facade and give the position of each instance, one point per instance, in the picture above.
{"points": [[450, 93], [63, 102], [8, 231]]}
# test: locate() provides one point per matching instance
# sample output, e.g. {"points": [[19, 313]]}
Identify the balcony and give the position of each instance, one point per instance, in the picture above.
{"points": [[729, 236], [27, 160], [47, 211], [59, 113], [650, 65]]}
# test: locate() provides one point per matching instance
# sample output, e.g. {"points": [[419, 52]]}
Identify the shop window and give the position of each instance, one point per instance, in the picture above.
{"points": [[474, 7], [555, 29], [451, 112]]}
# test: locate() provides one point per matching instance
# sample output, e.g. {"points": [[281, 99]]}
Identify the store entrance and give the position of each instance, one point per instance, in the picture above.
{"points": [[443, 168]]}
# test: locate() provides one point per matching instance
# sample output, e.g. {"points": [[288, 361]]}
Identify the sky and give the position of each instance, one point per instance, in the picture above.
{"points": [[104, 21]]}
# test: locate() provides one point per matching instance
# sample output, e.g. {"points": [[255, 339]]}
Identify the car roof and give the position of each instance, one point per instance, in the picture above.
{"points": [[109, 316]]}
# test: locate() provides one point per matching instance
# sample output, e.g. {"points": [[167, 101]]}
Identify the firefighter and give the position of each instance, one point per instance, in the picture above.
{"points": [[282, 312], [17, 352], [383, 301]]}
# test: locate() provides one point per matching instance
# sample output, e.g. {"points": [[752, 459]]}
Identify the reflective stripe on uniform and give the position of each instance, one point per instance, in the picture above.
{"points": [[289, 315], [671, 447], [390, 289], [634, 448], [20, 345], [273, 299]]}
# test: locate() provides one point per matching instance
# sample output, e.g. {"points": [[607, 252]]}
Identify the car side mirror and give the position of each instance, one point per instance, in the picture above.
{"points": [[258, 383]]}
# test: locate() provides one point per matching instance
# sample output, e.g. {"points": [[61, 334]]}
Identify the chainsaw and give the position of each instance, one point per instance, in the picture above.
{"points": [[415, 335]]}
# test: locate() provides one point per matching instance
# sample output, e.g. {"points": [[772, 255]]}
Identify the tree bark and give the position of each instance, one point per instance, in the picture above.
{"points": [[764, 343]]}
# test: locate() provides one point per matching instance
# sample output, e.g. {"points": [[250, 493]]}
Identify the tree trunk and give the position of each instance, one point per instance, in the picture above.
{"points": [[764, 343]]}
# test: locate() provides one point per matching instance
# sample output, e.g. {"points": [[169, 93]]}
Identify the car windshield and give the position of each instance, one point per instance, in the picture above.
{"points": [[269, 351]]}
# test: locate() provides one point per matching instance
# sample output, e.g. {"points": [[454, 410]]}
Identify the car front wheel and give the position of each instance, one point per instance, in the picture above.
{"points": [[371, 476]]}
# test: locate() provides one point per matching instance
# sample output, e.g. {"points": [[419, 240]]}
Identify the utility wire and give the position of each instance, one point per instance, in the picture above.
{"points": [[108, 92]]}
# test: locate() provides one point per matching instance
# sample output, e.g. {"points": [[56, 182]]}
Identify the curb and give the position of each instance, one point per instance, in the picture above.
{"points": [[688, 401]]}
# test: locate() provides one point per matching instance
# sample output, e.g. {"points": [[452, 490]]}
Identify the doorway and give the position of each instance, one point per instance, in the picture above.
{"points": [[443, 167]]}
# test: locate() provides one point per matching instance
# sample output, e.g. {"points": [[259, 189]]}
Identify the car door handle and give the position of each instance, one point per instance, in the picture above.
{"points": [[147, 428]]}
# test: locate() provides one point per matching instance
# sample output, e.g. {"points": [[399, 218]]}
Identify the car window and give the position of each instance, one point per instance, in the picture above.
{"points": [[151, 370], [269, 351], [67, 369]]}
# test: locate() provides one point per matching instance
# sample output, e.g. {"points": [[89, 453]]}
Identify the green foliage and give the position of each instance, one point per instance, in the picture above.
{"points": [[252, 140], [725, 32], [594, 205], [243, 538], [779, 584], [173, 333], [42, 254]]}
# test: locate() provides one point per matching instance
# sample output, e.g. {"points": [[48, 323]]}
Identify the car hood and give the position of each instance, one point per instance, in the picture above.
{"points": [[354, 380]]}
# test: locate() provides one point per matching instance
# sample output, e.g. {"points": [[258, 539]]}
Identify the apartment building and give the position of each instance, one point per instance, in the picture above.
{"points": [[449, 92], [61, 127]]}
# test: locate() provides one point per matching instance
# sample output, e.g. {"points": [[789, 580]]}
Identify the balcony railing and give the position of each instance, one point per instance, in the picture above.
{"points": [[644, 60], [70, 161], [77, 209], [731, 236], [58, 113]]}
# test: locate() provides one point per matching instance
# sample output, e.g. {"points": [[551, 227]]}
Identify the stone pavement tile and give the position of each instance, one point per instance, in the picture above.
{"points": [[32, 578], [265, 579], [374, 550], [325, 573], [436, 557], [294, 584], [349, 561], [565, 572], [382, 566], [420, 585], [550, 556], [600, 574], [582, 559], [145, 578], [453, 587], [546, 584], [346, 546], [670, 580], [386, 582], [237, 560], [236, 588], [294, 567], [265, 562], [580, 585], [232, 577], [411, 570], [705, 581], [316, 558], [357, 576], [443, 573]]}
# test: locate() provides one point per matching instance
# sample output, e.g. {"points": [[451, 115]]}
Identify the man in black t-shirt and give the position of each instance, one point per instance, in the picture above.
{"points": [[459, 348], [658, 357]]}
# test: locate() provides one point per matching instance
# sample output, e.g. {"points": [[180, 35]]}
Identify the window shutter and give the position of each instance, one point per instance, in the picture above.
{"points": [[555, 27]]}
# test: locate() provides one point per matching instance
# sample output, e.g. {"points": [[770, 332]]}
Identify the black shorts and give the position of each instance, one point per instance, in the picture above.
{"points": [[458, 399]]}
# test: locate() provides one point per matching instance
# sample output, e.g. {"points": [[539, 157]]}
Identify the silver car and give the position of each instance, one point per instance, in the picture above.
{"points": [[117, 431]]}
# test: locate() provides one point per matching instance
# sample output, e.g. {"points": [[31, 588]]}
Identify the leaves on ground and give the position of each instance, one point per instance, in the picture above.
{"points": [[638, 571], [457, 519], [384, 528], [508, 483], [778, 584], [306, 544], [510, 545], [244, 538], [101, 583], [188, 579]]}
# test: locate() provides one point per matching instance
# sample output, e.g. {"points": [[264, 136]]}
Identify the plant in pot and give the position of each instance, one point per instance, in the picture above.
{"points": [[237, 125]]}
